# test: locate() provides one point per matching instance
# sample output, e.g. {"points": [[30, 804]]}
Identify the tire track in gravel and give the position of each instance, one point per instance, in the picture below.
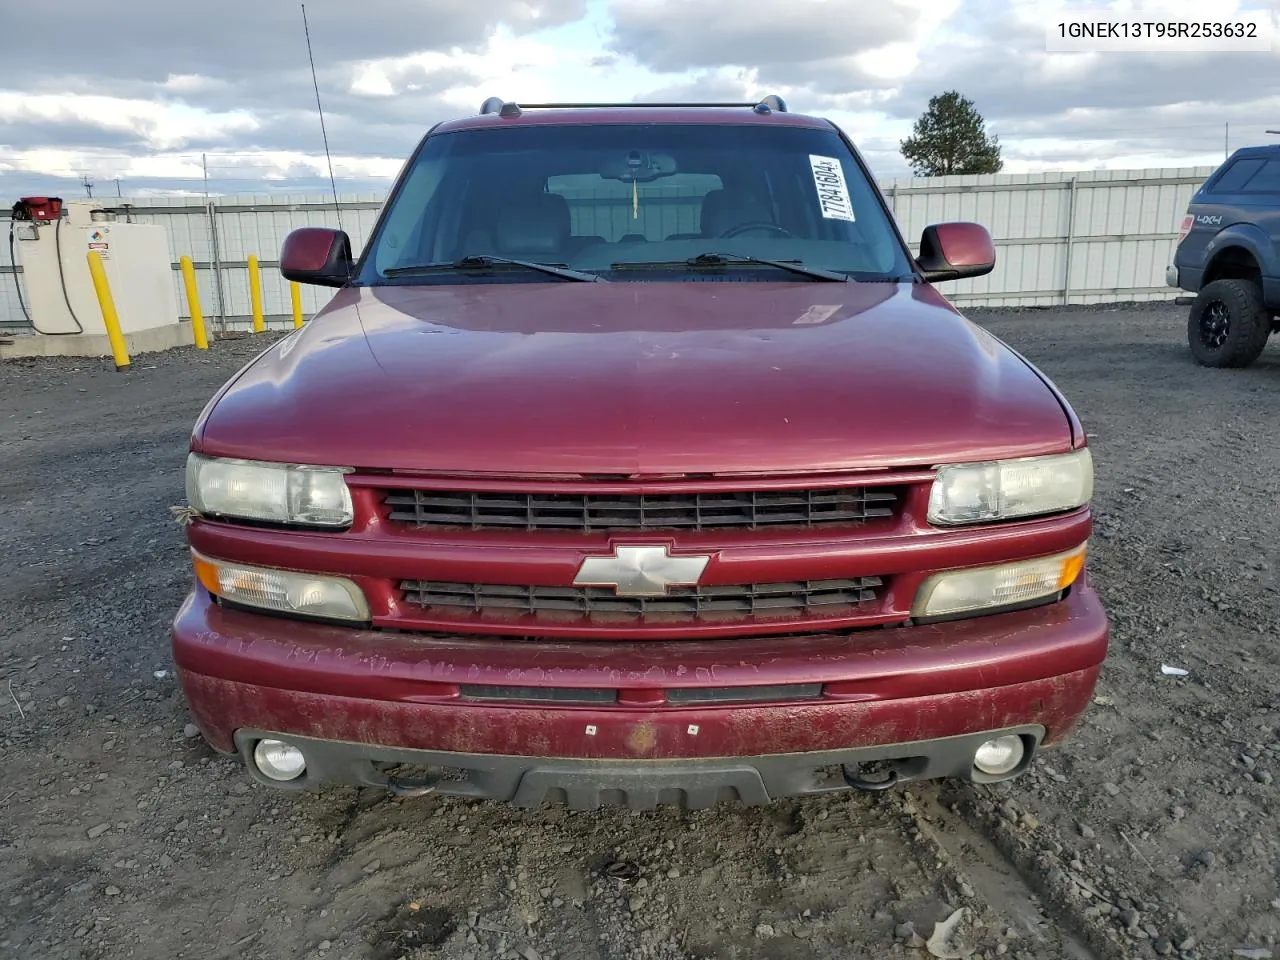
{"points": [[827, 876], [1155, 803]]}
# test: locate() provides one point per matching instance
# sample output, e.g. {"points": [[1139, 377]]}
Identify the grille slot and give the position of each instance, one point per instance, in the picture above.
{"points": [[739, 601], [788, 691], [539, 694], [675, 697], [751, 509]]}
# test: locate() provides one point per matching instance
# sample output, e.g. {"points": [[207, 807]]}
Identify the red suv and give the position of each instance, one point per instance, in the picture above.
{"points": [[589, 485]]}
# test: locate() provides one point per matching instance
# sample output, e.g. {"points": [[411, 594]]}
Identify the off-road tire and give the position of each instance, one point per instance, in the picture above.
{"points": [[1229, 324]]}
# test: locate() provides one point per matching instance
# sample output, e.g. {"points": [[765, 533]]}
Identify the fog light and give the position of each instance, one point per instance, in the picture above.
{"points": [[999, 756], [279, 761]]}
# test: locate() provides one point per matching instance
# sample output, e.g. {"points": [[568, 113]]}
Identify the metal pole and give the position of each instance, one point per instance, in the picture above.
{"points": [[1071, 231], [214, 257], [1226, 141], [217, 268]]}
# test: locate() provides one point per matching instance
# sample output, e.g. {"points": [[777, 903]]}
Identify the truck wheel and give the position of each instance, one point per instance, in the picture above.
{"points": [[1228, 325]]}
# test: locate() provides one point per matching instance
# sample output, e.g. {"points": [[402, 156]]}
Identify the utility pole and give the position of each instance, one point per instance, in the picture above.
{"points": [[118, 193], [87, 184]]}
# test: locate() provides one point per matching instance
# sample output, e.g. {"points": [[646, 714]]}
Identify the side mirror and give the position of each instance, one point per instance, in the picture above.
{"points": [[317, 255], [952, 251]]}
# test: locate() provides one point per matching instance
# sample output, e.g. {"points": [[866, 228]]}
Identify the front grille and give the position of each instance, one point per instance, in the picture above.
{"points": [[751, 509], [800, 598]]}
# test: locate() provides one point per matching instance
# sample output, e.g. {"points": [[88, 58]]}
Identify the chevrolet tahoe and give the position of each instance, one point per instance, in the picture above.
{"points": [[636, 459]]}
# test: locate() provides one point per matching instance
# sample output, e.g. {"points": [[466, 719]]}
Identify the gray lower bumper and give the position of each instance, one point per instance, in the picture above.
{"points": [[1171, 276], [638, 784]]}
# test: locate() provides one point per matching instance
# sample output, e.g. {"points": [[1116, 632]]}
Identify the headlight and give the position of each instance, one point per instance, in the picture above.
{"points": [[283, 591], [1004, 489], [274, 492], [1006, 585]]}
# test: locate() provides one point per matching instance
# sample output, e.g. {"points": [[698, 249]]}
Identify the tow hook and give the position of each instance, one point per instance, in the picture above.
{"points": [[411, 788], [403, 787], [854, 777]]}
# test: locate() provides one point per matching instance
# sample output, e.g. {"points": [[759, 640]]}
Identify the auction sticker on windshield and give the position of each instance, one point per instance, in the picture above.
{"points": [[833, 192]]}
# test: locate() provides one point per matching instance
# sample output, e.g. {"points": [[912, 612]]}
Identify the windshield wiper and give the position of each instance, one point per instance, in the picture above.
{"points": [[795, 266], [477, 261], [721, 259]]}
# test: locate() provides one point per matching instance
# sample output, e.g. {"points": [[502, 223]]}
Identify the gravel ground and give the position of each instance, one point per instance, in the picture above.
{"points": [[1153, 832]]}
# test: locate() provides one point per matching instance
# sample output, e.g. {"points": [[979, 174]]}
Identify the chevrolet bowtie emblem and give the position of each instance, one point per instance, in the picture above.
{"points": [[641, 571]]}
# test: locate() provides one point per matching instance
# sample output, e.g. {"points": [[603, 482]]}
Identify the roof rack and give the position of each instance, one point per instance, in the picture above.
{"points": [[506, 108]]}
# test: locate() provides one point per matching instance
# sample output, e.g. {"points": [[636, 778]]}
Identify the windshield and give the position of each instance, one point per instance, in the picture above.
{"points": [[630, 202]]}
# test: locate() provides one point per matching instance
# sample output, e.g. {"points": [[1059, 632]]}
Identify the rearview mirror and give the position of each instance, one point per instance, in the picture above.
{"points": [[953, 251], [638, 167], [317, 255]]}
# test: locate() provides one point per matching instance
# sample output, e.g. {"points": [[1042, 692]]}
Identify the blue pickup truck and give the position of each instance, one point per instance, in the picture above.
{"points": [[1228, 255]]}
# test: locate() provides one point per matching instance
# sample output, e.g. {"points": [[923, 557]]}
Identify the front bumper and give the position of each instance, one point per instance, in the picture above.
{"points": [[1171, 276], [638, 784], [922, 697]]}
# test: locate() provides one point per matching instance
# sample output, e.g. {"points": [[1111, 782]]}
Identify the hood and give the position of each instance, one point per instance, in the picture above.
{"points": [[636, 379]]}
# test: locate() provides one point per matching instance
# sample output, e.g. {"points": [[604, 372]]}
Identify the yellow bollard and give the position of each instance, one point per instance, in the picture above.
{"points": [[193, 303], [109, 318], [295, 294], [255, 294]]}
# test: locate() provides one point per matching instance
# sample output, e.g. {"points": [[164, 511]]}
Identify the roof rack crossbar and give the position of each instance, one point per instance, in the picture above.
{"points": [[580, 106], [497, 105]]}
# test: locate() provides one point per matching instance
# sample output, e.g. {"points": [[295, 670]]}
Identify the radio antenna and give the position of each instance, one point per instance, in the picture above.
{"points": [[337, 207]]}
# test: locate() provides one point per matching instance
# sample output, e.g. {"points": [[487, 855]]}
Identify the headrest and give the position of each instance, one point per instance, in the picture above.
{"points": [[533, 224]]}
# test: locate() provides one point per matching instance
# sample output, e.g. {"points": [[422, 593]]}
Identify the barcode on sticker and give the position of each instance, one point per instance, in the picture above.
{"points": [[833, 192]]}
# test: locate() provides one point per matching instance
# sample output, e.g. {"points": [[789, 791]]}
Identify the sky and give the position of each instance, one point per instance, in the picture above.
{"points": [[131, 94]]}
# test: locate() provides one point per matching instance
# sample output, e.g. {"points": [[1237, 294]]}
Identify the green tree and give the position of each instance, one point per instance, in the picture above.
{"points": [[950, 137]]}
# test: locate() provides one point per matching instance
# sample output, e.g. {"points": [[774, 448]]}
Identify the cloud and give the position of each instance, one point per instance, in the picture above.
{"points": [[233, 80], [154, 39], [68, 134], [239, 79], [672, 36], [151, 124], [189, 83], [379, 106], [820, 46], [1025, 81], [258, 168], [726, 85], [1084, 110]]}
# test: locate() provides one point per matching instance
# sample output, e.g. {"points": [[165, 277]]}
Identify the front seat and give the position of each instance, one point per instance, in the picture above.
{"points": [[534, 227], [723, 209]]}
